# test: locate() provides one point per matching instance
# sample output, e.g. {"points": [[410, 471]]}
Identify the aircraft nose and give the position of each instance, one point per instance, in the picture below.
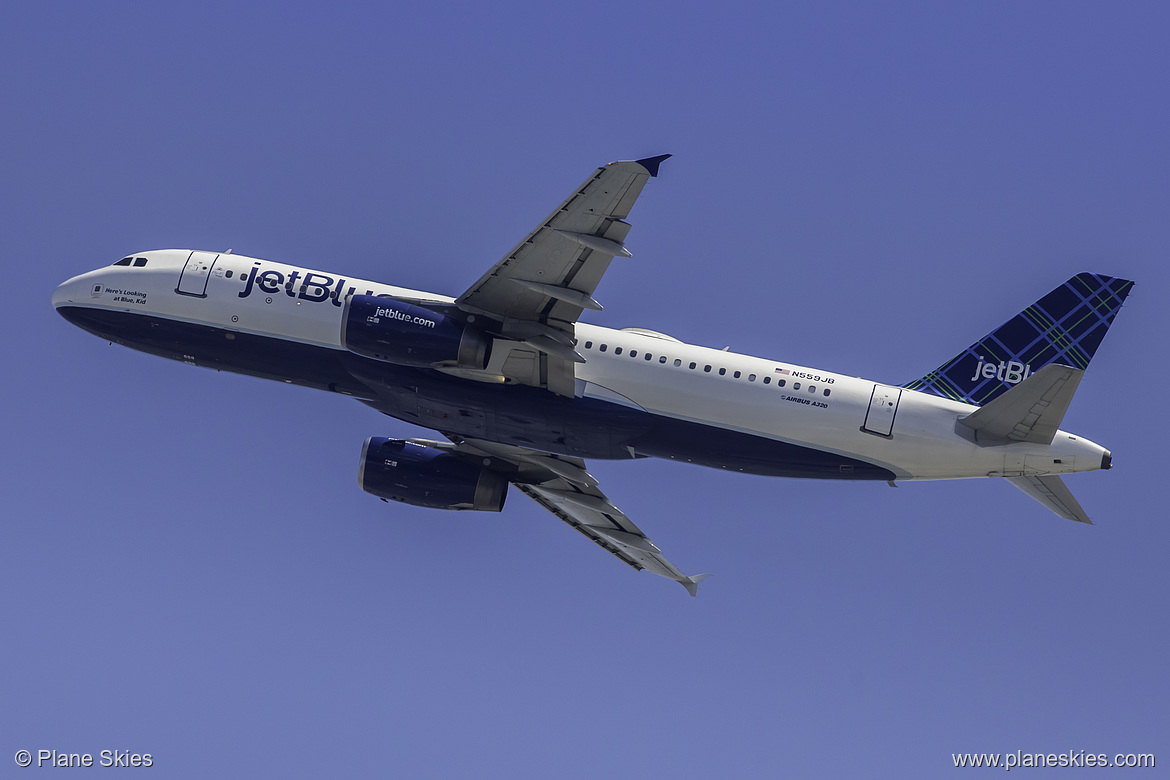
{"points": [[72, 291], [61, 294]]}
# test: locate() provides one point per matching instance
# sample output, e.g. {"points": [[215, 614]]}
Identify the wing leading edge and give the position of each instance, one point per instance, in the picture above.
{"points": [[564, 487]]}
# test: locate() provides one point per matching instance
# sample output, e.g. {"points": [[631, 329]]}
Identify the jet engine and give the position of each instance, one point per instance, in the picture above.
{"points": [[397, 332], [423, 475]]}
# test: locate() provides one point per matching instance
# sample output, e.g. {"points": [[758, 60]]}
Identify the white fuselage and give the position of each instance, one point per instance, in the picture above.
{"points": [[913, 435]]}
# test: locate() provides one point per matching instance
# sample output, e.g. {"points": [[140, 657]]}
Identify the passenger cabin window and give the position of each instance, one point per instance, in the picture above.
{"points": [[767, 380], [781, 382], [602, 347], [707, 369], [124, 261], [663, 360], [827, 391], [737, 375], [723, 372], [633, 353], [588, 345], [617, 350]]}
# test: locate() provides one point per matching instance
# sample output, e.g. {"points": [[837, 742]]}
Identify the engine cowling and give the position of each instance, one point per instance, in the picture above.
{"points": [[397, 332], [420, 475]]}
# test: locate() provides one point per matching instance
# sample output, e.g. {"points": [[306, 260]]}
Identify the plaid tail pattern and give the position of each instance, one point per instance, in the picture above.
{"points": [[1065, 326]]}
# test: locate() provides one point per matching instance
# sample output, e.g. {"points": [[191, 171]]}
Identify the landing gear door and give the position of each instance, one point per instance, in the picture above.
{"points": [[883, 406], [193, 280]]}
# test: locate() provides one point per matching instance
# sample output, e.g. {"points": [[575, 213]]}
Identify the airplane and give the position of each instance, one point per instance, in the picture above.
{"points": [[523, 392]]}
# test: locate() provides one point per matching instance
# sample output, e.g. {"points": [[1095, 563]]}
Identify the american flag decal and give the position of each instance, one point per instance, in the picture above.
{"points": [[783, 371]]}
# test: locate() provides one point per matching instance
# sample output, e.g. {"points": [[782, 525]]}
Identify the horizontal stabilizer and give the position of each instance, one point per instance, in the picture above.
{"points": [[1054, 494], [1030, 412], [692, 583]]}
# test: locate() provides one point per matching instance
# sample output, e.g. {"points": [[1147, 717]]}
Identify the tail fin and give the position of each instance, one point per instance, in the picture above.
{"points": [[1065, 326]]}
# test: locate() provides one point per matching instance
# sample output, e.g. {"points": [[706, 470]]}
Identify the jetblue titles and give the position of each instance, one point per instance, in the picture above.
{"points": [[402, 316], [313, 286], [1013, 372]]}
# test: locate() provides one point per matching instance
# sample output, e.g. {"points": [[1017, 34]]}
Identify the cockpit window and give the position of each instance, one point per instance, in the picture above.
{"points": [[124, 261], [139, 262]]}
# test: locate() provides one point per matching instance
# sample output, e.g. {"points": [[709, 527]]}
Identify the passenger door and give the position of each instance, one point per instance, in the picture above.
{"points": [[883, 407], [193, 279]]}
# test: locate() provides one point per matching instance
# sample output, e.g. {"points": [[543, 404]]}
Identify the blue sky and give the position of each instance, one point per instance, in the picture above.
{"points": [[188, 568]]}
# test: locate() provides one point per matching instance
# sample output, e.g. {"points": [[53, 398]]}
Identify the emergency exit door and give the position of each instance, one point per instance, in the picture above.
{"points": [[883, 407], [193, 279]]}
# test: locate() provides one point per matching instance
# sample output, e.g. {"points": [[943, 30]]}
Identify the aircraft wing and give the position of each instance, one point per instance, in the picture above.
{"points": [[564, 487], [539, 289]]}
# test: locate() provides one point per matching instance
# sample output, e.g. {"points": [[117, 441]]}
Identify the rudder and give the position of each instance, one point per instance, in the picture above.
{"points": [[1065, 326]]}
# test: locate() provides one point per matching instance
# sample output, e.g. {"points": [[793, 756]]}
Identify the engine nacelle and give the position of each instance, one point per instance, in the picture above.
{"points": [[428, 476], [396, 332]]}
